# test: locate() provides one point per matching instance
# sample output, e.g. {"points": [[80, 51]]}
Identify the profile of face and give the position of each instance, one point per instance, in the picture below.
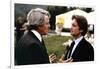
{"points": [[75, 30], [44, 28]]}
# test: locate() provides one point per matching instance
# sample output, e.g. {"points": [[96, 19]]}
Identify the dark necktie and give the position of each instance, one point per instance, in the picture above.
{"points": [[43, 45], [45, 50], [70, 49], [43, 42]]}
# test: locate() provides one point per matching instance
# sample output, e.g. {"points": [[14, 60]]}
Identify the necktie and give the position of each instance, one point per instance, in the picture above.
{"points": [[70, 49], [45, 50], [43, 42], [43, 45]]}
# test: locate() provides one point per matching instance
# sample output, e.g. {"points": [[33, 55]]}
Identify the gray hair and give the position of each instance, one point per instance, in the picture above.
{"points": [[36, 16]]}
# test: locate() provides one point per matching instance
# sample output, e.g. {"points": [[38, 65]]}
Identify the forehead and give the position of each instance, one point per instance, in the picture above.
{"points": [[46, 18], [74, 21]]}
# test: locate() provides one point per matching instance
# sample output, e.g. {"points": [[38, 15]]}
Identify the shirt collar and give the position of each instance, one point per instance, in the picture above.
{"points": [[78, 40], [37, 35], [76, 43]]}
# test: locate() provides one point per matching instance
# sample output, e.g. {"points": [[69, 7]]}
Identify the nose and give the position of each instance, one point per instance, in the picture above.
{"points": [[71, 28]]}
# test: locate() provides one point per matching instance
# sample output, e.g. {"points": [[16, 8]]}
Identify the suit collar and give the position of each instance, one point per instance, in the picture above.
{"points": [[34, 36], [78, 40], [81, 43], [37, 35]]}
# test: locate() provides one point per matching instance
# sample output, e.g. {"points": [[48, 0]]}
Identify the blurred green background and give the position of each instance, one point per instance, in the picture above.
{"points": [[54, 44]]}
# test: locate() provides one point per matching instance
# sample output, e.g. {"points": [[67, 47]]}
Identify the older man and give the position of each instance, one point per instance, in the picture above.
{"points": [[31, 48]]}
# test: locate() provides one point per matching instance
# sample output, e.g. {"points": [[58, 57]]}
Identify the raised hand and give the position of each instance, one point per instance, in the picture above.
{"points": [[52, 58], [61, 60]]}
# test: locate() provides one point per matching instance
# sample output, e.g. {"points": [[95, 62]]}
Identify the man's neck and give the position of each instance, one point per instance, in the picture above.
{"points": [[76, 37]]}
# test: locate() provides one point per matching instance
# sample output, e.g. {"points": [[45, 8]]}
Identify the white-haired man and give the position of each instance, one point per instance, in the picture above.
{"points": [[31, 48]]}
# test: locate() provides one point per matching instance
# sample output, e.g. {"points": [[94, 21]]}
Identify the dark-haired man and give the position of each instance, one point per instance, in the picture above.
{"points": [[80, 49]]}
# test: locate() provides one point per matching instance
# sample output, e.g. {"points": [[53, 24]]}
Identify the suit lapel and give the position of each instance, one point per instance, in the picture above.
{"points": [[41, 44], [78, 46], [34, 37]]}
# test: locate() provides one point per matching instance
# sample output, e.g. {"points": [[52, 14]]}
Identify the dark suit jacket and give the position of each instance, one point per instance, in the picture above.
{"points": [[83, 52], [30, 51]]}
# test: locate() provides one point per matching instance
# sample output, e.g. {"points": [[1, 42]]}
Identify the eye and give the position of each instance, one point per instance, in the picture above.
{"points": [[73, 25]]}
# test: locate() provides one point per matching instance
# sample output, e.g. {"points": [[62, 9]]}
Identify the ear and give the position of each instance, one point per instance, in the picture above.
{"points": [[40, 27]]}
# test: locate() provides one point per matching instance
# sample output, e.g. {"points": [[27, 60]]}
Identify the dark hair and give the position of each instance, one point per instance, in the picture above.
{"points": [[82, 23]]}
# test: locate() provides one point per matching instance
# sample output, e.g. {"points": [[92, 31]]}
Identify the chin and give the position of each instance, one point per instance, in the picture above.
{"points": [[73, 35], [44, 33]]}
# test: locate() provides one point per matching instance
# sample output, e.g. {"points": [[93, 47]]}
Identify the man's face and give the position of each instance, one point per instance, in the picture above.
{"points": [[44, 28], [75, 31]]}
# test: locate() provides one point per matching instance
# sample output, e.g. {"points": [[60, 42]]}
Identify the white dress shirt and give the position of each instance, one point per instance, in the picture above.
{"points": [[37, 35], [76, 43]]}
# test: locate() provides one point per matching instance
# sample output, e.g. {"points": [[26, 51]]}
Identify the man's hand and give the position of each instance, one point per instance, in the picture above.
{"points": [[52, 58], [61, 60]]}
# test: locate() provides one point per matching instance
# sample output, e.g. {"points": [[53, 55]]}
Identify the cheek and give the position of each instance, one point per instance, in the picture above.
{"points": [[46, 29], [74, 30]]}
